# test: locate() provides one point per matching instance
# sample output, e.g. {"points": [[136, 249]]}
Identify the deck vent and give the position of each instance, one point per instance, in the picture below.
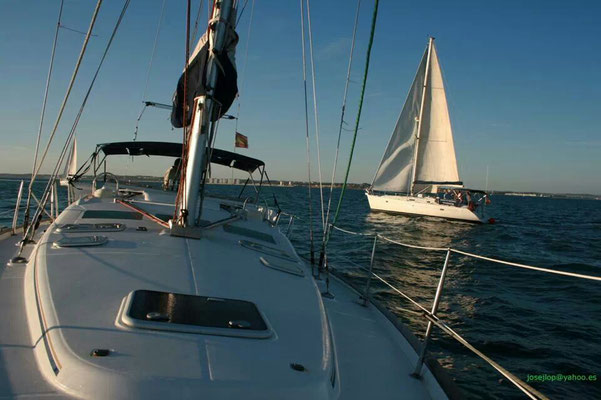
{"points": [[148, 309]]}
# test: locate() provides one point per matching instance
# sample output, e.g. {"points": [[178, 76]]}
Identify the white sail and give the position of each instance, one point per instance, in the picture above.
{"points": [[71, 162], [435, 159]]}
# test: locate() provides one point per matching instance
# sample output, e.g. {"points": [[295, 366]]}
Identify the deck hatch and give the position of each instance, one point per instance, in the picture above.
{"points": [[194, 314], [111, 214]]}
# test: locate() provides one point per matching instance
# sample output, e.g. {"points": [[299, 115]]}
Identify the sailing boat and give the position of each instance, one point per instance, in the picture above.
{"points": [[135, 293], [418, 173], [70, 171]]}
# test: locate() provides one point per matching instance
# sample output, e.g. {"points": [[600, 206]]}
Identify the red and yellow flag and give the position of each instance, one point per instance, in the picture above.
{"points": [[241, 141]]}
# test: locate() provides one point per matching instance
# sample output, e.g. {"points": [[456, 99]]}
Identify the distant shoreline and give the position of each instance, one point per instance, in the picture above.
{"points": [[356, 186]]}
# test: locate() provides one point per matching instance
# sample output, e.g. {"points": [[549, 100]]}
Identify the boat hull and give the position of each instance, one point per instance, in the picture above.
{"points": [[426, 206]]}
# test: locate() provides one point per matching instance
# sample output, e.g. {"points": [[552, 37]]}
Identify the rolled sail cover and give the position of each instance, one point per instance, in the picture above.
{"points": [[226, 88]]}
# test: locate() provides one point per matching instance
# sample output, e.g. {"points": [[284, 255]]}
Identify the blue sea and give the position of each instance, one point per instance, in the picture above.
{"points": [[531, 323]]}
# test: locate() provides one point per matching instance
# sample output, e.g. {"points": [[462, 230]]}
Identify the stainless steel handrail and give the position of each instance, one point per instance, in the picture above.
{"points": [[431, 315]]}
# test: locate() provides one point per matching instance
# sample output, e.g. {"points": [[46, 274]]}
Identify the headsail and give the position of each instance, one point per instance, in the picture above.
{"points": [[435, 161], [70, 164]]}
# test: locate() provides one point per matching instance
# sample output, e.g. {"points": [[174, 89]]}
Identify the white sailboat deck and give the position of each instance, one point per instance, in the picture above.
{"points": [[71, 298]]}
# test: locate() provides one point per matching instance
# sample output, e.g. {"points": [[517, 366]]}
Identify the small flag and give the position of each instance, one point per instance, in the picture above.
{"points": [[241, 141]]}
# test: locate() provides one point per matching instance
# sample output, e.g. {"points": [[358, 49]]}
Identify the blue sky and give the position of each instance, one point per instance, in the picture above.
{"points": [[522, 79]]}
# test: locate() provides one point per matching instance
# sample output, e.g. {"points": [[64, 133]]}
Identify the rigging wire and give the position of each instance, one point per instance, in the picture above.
{"points": [[181, 190], [44, 102], [74, 30], [348, 168], [344, 97], [45, 197], [195, 31], [152, 54], [323, 221], [312, 252], [242, 80], [69, 88], [242, 12]]}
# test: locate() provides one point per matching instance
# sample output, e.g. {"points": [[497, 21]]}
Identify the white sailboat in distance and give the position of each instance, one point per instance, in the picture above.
{"points": [[418, 173]]}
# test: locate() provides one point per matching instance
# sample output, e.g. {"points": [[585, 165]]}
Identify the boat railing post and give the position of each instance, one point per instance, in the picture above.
{"points": [[55, 200], [422, 356], [371, 267], [290, 223], [17, 206], [52, 201]]}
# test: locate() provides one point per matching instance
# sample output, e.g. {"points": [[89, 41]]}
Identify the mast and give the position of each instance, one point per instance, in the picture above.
{"points": [[204, 109], [421, 112]]}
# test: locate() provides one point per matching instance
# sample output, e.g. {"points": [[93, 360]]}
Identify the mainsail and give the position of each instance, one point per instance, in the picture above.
{"points": [[226, 89], [434, 162]]}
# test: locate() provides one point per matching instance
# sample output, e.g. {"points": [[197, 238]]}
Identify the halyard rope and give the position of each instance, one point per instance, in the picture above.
{"points": [[346, 85], [69, 88], [311, 243], [45, 196], [348, 168], [316, 116], [37, 143], [152, 54]]}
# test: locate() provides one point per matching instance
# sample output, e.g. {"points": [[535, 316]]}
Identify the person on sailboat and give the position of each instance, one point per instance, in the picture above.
{"points": [[458, 198], [172, 175]]}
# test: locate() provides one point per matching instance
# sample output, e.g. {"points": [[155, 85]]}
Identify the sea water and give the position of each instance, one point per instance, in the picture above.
{"points": [[546, 329]]}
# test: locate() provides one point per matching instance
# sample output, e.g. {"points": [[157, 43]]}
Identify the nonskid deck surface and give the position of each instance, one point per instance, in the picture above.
{"points": [[81, 290], [19, 373]]}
